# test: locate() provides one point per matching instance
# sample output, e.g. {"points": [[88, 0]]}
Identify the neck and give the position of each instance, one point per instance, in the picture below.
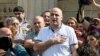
{"points": [[35, 30], [20, 20], [54, 27]]}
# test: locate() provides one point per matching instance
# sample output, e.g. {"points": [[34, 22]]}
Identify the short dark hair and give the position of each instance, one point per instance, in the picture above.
{"points": [[18, 9], [95, 34], [89, 19], [87, 50], [45, 12]]}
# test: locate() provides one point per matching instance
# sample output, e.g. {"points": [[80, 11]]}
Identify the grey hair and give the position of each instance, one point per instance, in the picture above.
{"points": [[9, 20]]}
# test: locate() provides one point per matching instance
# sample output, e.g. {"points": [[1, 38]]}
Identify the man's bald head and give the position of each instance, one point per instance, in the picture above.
{"points": [[5, 32], [38, 18], [56, 9], [38, 23]]}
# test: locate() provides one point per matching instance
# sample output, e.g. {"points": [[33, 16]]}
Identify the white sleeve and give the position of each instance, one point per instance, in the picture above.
{"points": [[72, 38]]}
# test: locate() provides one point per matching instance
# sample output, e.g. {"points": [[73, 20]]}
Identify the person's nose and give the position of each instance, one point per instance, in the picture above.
{"points": [[36, 24], [46, 17], [54, 16], [17, 15]]}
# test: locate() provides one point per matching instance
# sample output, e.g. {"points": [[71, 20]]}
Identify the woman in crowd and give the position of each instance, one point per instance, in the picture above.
{"points": [[79, 31]]}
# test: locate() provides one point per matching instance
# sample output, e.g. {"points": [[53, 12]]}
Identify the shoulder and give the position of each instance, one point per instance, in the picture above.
{"points": [[30, 34], [44, 29], [67, 27], [30, 31], [21, 50], [24, 22], [19, 47]]}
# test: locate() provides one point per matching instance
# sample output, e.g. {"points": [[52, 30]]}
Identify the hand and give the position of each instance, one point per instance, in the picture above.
{"points": [[29, 43], [79, 33], [59, 39], [2, 52]]}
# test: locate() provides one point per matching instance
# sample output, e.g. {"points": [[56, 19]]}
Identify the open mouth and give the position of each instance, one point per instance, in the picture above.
{"points": [[53, 20], [47, 20]]}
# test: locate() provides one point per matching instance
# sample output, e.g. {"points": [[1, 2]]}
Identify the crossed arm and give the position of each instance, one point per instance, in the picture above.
{"points": [[42, 46]]}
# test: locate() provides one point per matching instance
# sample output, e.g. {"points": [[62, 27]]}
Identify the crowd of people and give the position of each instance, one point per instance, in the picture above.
{"points": [[50, 35]]}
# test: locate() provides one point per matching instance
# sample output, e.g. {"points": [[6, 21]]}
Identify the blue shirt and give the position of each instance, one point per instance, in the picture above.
{"points": [[31, 34]]}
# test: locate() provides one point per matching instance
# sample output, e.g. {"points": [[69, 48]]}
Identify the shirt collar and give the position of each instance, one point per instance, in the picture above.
{"points": [[22, 22], [36, 33], [59, 27]]}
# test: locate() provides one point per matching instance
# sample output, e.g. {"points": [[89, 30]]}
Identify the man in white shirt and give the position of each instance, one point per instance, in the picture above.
{"points": [[56, 39]]}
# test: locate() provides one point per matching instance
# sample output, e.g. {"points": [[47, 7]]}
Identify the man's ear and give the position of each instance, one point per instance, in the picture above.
{"points": [[62, 18]]}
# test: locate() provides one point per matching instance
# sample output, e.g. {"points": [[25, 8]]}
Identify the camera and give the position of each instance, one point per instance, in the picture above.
{"points": [[5, 43]]}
